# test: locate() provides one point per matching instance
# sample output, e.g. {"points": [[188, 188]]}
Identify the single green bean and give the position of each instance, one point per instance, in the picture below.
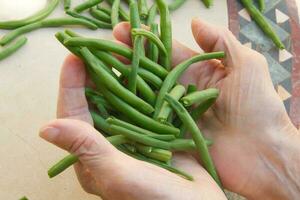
{"points": [[172, 77], [262, 23], [199, 97], [175, 4], [150, 36], [105, 10], [196, 135], [71, 159], [86, 5], [115, 12], [152, 14], [177, 92], [100, 15], [153, 52], [132, 78], [113, 84], [150, 77], [134, 115], [71, 33], [207, 3], [135, 21], [186, 144], [99, 122], [144, 89], [143, 9], [122, 12], [56, 22], [13, 24], [106, 45], [67, 4], [191, 88], [261, 5], [166, 32], [61, 37], [98, 23], [10, 49], [158, 154], [118, 122]]}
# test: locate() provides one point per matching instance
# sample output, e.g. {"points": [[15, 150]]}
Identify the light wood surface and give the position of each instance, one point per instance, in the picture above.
{"points": [[28, 91]]}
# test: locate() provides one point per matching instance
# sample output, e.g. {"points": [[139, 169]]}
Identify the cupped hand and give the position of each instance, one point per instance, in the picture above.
{"points": [[102, 169]]}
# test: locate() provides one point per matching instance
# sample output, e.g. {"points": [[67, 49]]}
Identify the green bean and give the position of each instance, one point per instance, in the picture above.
{"points": [[115, 121], [10, 49], [105, 10], [113, 84], [61, 37], [71, 33], [191, 88], [152, 14], [115, 12], [71, 159], [172, 77], [150, 77], [122, 12], [143, 148], [98, 23], [200, 97], [262, 23], [86, 5], [56, 22], [134, 115], [153, 53], [99, 122], [177, 92], [186, 144], [132, 78], [158, 163], [150, 36], [207, 3], [100, 15], [95, 98], [143, 9], [144, 89], [111, 46], [166, 32], [261, 5], [176, 4], [67, 4], [196, 135], [135, 21], [158, 154], [13, 24]]}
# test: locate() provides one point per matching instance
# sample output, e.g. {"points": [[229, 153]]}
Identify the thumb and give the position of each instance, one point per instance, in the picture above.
{"points": [[79, 138]]}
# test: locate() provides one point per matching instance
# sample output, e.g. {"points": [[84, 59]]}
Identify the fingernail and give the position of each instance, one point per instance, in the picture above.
{"points": [[49, 133]]}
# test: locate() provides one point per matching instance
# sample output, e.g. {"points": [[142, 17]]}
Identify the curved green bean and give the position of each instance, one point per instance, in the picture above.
{"points": [[43, 24], [197, 136], [86, 5], [67, 4], [153, 52], [115, 12], [152, 14], [111, 46], [150, 36], [172, 77], [132, 78], [207, 3], [113, 84], [177, 92], [118, 122], [166, 32], [13, 24], [98, 23], [199, 97], [262, 23], [175, 4], [100, 15], [10, 49], [143, 9]]}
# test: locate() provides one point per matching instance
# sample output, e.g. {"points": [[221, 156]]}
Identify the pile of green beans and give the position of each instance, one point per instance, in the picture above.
{"points": [[134, 108]]}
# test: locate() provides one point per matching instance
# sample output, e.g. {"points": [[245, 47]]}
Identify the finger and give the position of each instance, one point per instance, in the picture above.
{"points": [[71, 98], [212, 38]]}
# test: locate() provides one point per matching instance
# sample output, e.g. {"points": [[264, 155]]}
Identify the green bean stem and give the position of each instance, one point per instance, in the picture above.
{"points": [[143, 9], [152, 14], [115, 12], [153, 52], [172, 77], [111, 46], [13, 24], [262, 23], [199, 97], [56, 22], [113, 84], [196, 135], [150, 36], [100, 15], [67, 4], [86, 5], [166, 32], [132, 78], [175, 4], [207, 3], [10, 49], [177, 92], [261, 5]]}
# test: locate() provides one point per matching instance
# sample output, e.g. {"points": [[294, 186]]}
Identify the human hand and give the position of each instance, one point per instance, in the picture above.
{"points": [[103, 170], [248, 124]]}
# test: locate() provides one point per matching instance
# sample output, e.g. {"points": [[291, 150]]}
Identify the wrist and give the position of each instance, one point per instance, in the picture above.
{"points": [[278, 165]]}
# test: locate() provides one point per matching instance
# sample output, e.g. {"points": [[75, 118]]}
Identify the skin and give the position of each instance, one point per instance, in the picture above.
{"points": [[256, 148]]}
